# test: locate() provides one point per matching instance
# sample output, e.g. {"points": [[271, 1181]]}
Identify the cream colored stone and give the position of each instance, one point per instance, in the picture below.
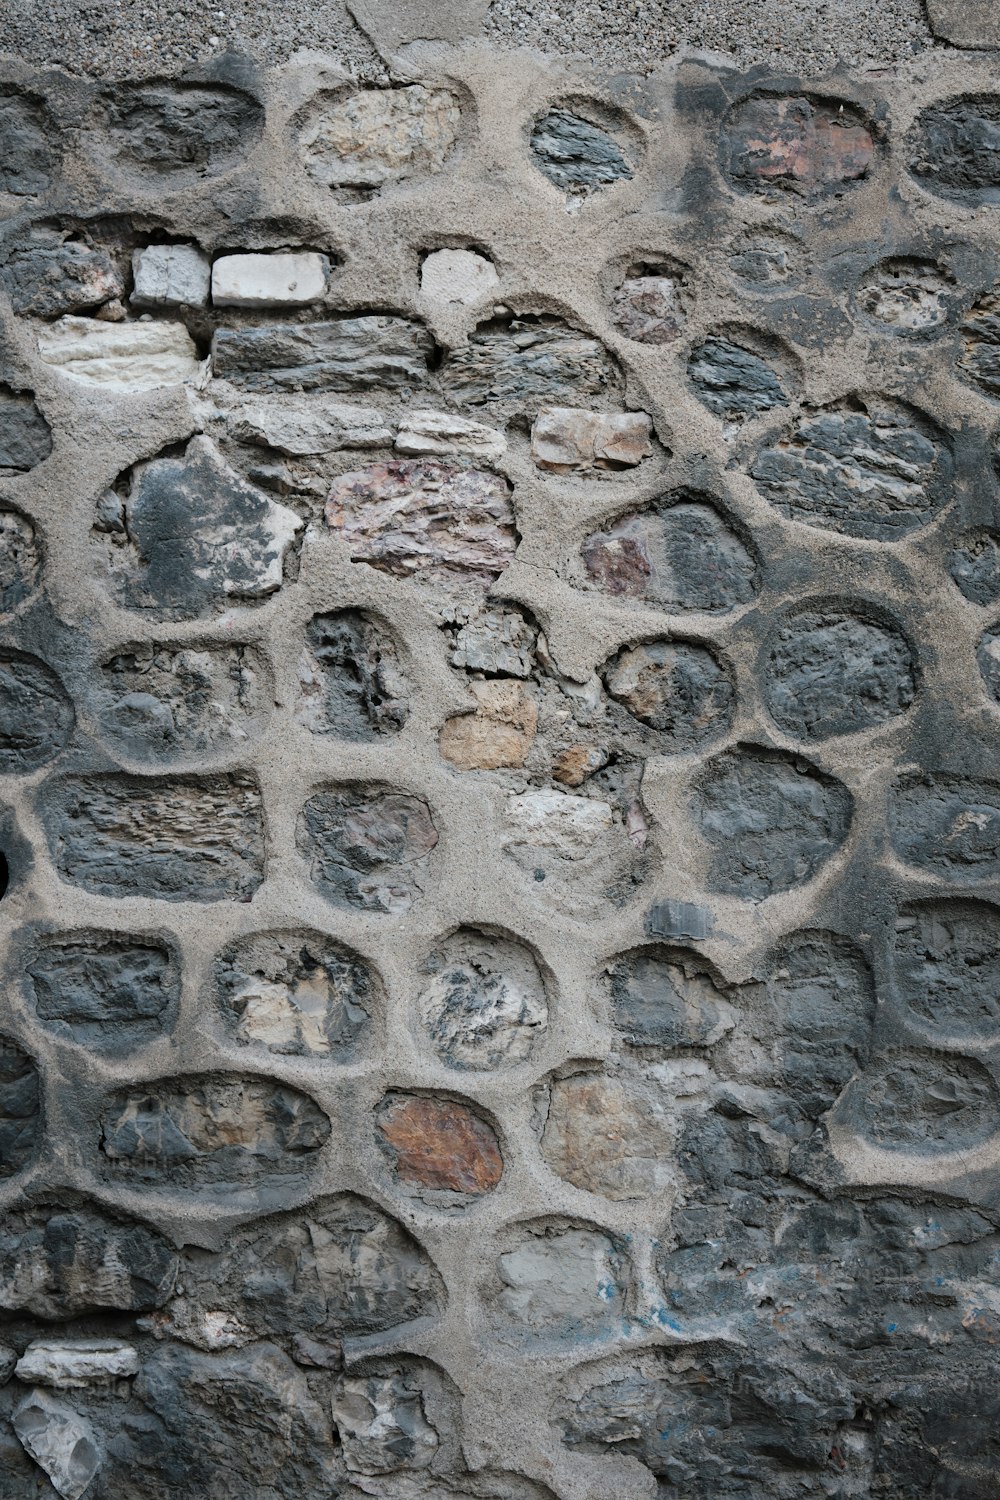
{"points": [[442, 432], [564, 438], [378, 135], [570, 826], [282, 279], [70, 1364], [120, 356], [500, 733], [613, 1135], [458, 276]]}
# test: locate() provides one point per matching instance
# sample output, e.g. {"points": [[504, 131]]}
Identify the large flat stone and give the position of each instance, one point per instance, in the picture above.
{"points": [[120, 356]]}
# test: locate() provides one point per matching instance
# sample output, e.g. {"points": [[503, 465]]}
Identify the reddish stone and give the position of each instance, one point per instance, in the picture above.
{"points": [[618, 563], [795, 144], [440, 1144]]}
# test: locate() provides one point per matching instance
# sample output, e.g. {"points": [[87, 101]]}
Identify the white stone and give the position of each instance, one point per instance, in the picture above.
{"points": [[72, 1363], [554, 820], [279, 280], [120, 356], [457, 276], [440, 432], [382, 1425], [170, 276], [304, 425], [60, 1440]]}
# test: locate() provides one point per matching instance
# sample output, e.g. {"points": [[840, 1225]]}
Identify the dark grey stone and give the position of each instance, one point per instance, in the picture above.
{"points": [[947, 826], [679, 689], [664, 997], [975, 567], [159, 702], [529, 362], [28, 155], [679, 919], [25, 436], [367, 848], [179, 839], [576, 155], [36, 713], [954, 148], [835, 671], [105, 990], [980, 355], [822, 1007], [20, 1108], [814, 148], [47, 280], [20, 559], [733, 382], [988, 657], [923, 1102], [947, 967], [772, 821], [352, 685], [171, 128], [372, 353]]}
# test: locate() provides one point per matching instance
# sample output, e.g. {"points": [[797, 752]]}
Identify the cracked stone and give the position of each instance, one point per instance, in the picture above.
{"points": [[367, 847], [439, 1146], [576, 155], [170, 276], [347, 355], [374, 137], [564, 439], [485, 1006], [350, 679], [62, 1441], [795, 145], [25, 436]]}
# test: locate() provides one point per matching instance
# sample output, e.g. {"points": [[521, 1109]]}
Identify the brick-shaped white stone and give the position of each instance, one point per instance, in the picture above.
{"points": [[170, 276], [122, 356], [278, 280], [457, 276], [70, 1364]]}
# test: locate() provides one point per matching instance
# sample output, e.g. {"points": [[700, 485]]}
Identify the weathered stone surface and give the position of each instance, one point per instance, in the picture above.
{"points": [[947, 968], [988, 657], [869, 468], [438, 1146], [679, 689], [575, 154], [272, 280], [346, 355], [50, 276], [907, 296], [182, 839], [526, 362], [104, 990], [305, 425], [20, 1108], [457, 276], [763, 262], [570, 826], [797, 145], [975, 567], [923, 1102], [296, 993], [837, 671], [374, 137], [680, 556], [60, 1440], [419, 517], [980, 355], [170, 276], [351, 681], [382, 1424], [28, 152], [560, 1282], [58, 1262], [485, 1006], [732, 381], [120, 356], [220, 1133], [564, 439], [25, 436], [36, 714], [499, 733], [20, 559], [496, 641], [367, 847], [954, 148], [967, 23], [73, 1364], [650, 306], [663, 997], [947, 826], [438, 433], [188, 535], [610, 1133], [772, 821], [161, 702], [171, 129]]}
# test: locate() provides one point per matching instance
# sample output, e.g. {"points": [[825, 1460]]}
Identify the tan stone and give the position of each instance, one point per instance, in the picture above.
{"points": [[500, 732], [610, 1135], [574, 765], [376, 136], [564, 438]]}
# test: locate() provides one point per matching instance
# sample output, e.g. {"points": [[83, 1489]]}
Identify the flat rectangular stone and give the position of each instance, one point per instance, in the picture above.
{"points": [[121, 356], [342, 354], [441, 432], [283, 279], [70, 1364], [564, 438], [304, 425], [170, 276]]}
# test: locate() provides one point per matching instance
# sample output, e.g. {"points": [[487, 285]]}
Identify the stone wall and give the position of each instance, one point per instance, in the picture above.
{"points": [[500, 826]]}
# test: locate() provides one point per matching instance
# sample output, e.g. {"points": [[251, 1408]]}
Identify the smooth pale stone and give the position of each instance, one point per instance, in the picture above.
{"points": [[280, 280], [73, 1363], [555, 820], [304, 425], [60, 1440], [170, 276], [457, 276], [122, 356], [441, 432]]}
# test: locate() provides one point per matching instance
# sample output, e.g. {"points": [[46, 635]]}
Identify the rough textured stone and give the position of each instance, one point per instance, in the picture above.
{"points": [[382, 1424], [351, 681], [559, 1283], [457, 276], [967, 23], [50, 276], [979, 358], [873, 469], [570, 826], [680, 556], [499, 733], [346, 355], [797, 145], [524, 363], [25, 436], [165, 130], [907, 296], [296, 993], [988, 657], [664, 998], [103, 989], [772, 821], [834, 671], [732, 381], [975, 567], [485, 1006], [947, 968], [73, 1364], [497, 642], [20, 559], [575, 154], [301, 426], [219, 1133], [36, 714], [923, 1102], [60, 1440], [419, 517], [188, 535], [375, 137], [161, 702], [564, 439], [20, 1108], [947, 826], [439, 1146], [367, 848], [170, 276], [650, 306], [272, 280], [27, 150], [120, 356], [954, 148], [611, 1134], [186, 839], [679, 689], [437, 433]]}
